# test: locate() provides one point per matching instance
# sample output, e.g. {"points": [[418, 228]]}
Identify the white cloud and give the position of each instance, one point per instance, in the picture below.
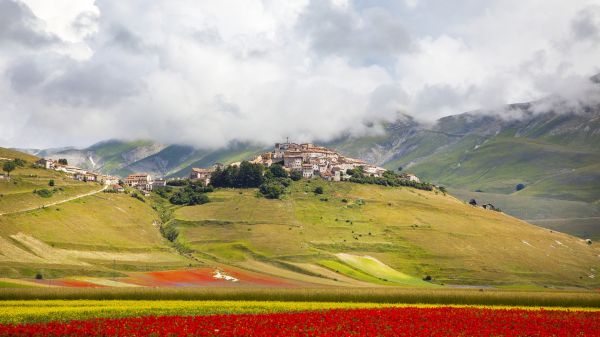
{"points": [[207, 73]]}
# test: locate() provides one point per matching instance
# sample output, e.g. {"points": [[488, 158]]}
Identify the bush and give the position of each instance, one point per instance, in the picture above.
{"points": [[51, 182], [473, 202], [519, 187], [296, 175], [163, 192], [192, 194], [44, 193], [39, 276], [427, 278], [138, 197], [63, 161], [318, 190], [271, 189], [19, 162], [169, 232]]}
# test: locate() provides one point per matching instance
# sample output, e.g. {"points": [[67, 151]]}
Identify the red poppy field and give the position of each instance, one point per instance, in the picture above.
{"points": [[407, 321]]}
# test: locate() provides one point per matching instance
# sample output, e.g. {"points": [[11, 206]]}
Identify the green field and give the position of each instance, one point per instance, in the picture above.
{"points": [[101, 235], [381, 235], [574, 217]]}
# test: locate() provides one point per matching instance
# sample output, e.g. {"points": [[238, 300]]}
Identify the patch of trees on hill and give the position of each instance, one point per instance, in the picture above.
{"points": [[388, 178], [194, 193], [271, 182]]}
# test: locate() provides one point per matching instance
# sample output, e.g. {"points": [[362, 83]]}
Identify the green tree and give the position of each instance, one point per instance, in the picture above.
{"points": [[249, 175], [278, 171], [271, 189], [296, 175], [8, 167], [63, 161], [51, 182], [318, 190], [19, 162]]}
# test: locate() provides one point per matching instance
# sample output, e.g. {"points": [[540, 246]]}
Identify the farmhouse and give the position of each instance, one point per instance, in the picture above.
{"points": [[411, 177], [138, 179], [202, 174], [159, 183], [107, 180], [117, 188], [45, 163]]}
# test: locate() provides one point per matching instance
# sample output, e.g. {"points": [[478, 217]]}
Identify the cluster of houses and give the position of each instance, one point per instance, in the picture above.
{"points": [[307, 158], [140, 181], [78, 173]]}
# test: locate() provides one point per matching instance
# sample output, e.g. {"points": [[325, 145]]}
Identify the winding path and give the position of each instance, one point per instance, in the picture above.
{"points": [[56, 202]]}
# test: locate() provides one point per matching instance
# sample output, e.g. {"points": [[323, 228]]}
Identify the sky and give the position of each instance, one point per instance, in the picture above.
{"points": [[206, 73]]}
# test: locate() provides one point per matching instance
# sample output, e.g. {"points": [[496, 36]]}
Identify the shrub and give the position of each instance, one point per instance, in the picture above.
{"points": [[318, 190], [473, 202], [427, 278], [51, 182], [169, 232], [296, 175], [39, 276], [138, 197], [44, 193], [19, 162], [193, 194], [63, 161], [163, 192], [519, 187], [271, 189]]}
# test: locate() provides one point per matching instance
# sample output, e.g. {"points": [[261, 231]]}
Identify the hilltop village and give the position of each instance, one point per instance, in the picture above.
{"points": [[308, 159]]}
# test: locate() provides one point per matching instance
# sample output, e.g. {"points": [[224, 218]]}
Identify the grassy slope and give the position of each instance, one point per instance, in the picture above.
{"points": [[11, 154], [574, 217], [87, 236], [414, 232], [498, 165], [17, 193]]}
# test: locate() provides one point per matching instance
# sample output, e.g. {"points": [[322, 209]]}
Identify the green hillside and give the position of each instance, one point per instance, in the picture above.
{"points": [[19, 192], [555, 156], [100, 235], [381, 235], [8, 154]]}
